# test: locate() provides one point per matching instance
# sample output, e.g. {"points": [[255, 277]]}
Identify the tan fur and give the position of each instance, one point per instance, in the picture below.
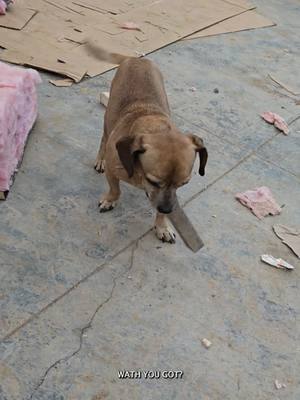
{"points": [[140, 142]]}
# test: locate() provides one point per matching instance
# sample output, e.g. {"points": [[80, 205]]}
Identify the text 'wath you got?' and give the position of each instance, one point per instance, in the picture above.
{"points": [[139, 374]]}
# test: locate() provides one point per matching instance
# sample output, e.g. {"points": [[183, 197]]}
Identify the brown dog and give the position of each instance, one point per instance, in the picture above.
{"points": [[140, 145]]}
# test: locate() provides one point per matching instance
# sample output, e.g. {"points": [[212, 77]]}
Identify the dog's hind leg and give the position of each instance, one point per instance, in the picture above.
{"points": [[108, 200]]}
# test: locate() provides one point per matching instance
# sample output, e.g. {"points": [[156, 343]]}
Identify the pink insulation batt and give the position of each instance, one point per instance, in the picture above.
{"points": [[18, 112]]}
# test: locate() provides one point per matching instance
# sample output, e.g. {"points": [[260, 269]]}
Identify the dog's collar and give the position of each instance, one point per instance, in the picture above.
{"points": [[143, 109]]}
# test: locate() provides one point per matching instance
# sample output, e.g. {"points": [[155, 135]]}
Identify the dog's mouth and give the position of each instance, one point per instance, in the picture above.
{"points": [[165, 210]]}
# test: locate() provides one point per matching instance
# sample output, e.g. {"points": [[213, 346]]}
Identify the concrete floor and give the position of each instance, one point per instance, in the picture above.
{"points": [[84, 295]]}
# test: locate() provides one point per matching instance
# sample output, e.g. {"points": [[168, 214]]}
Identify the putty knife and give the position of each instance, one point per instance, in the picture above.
{"points": [[184, 227]]}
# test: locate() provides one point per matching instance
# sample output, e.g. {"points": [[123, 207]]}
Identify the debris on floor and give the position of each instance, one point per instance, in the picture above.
{"points": [[279, 385], [3, 6], [276, 262], [260, 201], [276, 120], [61, 82], [131, 26], [206, 343], [284, 85], [289, 236], [244, 21], [104, 97], [18, 112]]}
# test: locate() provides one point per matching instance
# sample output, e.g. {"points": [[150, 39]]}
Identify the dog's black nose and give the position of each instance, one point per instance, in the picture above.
{"points": [[165, 209]]}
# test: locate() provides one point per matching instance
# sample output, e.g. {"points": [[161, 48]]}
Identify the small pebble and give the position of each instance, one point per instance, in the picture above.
{"points": [[206, 343], [279, 385]]}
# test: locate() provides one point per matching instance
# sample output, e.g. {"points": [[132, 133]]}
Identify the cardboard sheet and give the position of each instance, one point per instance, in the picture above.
{"points": [[40, 52], [16, 17], [246, 20], [61, 82], [242, 3], [54, 38]]}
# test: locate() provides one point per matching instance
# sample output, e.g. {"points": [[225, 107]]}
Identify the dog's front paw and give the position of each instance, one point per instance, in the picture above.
{"points": [[106, 205], [100, 166], [165, 233]]}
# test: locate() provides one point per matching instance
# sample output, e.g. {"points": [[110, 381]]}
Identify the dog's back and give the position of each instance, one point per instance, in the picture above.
{"points": [[138, 81]]}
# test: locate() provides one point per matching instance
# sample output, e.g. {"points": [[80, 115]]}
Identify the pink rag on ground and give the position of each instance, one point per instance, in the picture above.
{"points": [[132, 26], [276, 120], [260, 201], [18, 112], [3, 6]]}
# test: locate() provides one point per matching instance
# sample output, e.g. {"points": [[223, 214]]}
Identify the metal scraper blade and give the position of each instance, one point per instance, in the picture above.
{"points": [[184, 227]]}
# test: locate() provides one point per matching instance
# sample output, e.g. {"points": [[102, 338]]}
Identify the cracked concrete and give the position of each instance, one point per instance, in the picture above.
{"points": [[79, 300], [87, 326]]}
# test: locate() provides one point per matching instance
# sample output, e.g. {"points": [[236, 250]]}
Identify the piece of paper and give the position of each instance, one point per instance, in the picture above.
{"points": [[104, 97], [16, 17], [276, 262], [287, 83], [132, 26], [242, 22], [276, 120], [260, 201], [289, 236]]}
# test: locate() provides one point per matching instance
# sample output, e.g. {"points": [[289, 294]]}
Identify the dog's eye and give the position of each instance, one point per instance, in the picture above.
{"points": [[153, 183]]}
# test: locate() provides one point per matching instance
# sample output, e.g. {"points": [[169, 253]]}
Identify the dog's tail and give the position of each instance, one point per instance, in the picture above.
{"points": [[104, 55]]}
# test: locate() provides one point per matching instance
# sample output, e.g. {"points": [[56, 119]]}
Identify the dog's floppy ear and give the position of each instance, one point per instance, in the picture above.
{"points": [[201, 150], [128, 148]]}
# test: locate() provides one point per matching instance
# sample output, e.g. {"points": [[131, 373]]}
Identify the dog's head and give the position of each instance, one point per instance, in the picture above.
{"points": [[166, 162]]}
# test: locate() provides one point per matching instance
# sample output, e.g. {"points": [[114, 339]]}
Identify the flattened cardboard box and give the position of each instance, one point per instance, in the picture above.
{"points": [[242, 22], [53, 39], [16, 17]]}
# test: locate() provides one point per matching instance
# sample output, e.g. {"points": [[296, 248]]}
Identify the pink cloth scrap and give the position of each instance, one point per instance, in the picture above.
{"points": [[260, 201], [276, 120], [130, 26], [18, 112], [3, 6]]}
